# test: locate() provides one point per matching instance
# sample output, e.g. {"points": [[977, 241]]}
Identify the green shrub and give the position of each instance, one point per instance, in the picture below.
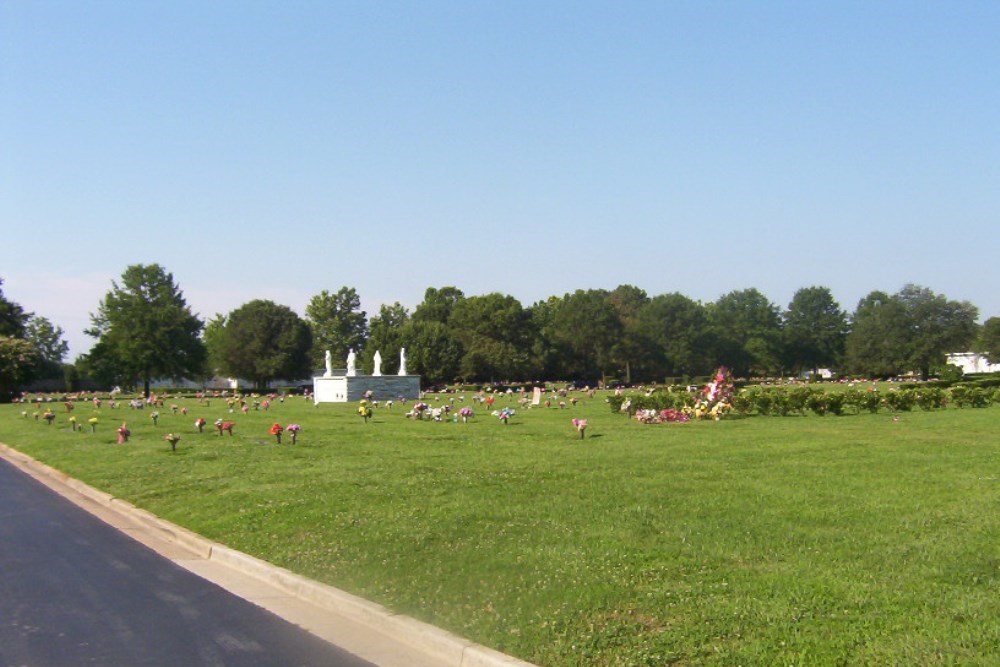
{"points": [[931, 398], [835, 401], [900, 400], [975, 397], [818, 402], [863, 399]]}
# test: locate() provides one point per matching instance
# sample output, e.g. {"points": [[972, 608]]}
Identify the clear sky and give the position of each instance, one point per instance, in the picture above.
{"points": [[277, 149]]}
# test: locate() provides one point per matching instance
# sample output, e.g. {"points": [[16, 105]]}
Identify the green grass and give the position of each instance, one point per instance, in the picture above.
{"points": [[853, 540]]}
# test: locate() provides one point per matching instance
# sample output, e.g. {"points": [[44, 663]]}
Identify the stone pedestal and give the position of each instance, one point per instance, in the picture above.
{"points": [[348, 388]]}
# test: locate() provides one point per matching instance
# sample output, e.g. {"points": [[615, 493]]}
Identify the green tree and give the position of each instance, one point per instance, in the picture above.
{"points": [[815, 330], [548, 357], [48, 338], [338, 324], [938, 326], [677, 328], [878, 342], [431, 351], [385, 335], [213, 336], [263, 341], [495, 333], [147, 327], [989, 339], [632, 352], [585, 326], [747, 328], [437, 304], [18, 363], [13, 319]]}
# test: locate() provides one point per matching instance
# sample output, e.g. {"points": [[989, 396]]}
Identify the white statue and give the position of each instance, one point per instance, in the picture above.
{"points": [[402, 361], [352, 360], [329, 365], [378, 363]]}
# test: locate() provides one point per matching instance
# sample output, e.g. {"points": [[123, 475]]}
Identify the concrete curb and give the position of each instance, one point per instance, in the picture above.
{"points": [[450, 649]]}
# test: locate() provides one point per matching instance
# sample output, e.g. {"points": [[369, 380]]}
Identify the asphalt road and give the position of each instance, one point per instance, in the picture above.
{"points": [[75, 591]]}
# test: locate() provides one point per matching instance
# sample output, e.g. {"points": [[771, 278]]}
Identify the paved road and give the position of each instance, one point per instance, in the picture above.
{"points": [[74, 591]]}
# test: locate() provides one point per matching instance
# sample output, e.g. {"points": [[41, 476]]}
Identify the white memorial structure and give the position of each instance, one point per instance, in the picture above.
{"points": [[349, 385]]}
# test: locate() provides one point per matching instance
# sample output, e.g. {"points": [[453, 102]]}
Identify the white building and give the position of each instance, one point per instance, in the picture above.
{"points": [[972, 363]]}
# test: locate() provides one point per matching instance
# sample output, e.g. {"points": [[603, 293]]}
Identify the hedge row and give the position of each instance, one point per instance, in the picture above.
{"points": [[799, 400]]}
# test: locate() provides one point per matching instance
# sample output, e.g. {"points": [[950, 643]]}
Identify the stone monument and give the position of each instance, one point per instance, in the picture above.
{"points": [[332, 387]]}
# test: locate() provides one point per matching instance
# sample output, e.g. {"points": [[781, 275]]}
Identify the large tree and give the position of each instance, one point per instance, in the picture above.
{"points": [[13, 319], [495, 332], [677, 328], [586, 326], [879, 340], [747, 327], [338, 324], [437, 304], [145, 324], [938, 327], [815, 329], [385, 335], [432, 352], [632, 352], [262, 341], [48, 338], [18, 362], [212, 336], [989, 339]]}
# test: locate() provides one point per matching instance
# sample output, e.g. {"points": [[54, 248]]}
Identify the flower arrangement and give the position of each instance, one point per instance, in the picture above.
{"points": [[466, 413], [672, 415], [72, 423], [123, 434], [224, 426], [504, 415], [293, 430], [199, 424], [155, 416], [184, 411], [174, 408], [173, 439], [418, 410], [276, 430], [69, 406], [245, 408], [581, 426], [365, 409], [48, 416], [93, 424], [716, 396]]}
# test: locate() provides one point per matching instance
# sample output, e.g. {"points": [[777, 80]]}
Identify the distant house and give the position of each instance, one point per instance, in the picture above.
{"points": [[972, 363]]}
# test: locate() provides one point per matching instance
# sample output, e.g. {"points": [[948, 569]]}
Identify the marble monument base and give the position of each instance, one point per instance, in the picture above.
{"points": [[348, 388]]}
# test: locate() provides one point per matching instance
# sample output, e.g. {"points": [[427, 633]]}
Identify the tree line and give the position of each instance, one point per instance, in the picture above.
{"points": [[144, 329]]}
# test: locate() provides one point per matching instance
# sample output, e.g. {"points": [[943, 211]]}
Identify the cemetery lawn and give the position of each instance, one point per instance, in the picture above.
{"points": [[855, 540]]}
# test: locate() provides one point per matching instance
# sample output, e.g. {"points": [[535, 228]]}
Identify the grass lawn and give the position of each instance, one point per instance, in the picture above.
{"points": [[855, 540]]}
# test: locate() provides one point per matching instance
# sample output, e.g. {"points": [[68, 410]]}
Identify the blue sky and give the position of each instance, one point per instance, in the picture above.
{"points": [[277, 149]]}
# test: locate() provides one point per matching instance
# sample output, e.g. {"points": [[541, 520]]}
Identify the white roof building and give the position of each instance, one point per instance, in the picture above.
{"points": [[972, 363]]}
